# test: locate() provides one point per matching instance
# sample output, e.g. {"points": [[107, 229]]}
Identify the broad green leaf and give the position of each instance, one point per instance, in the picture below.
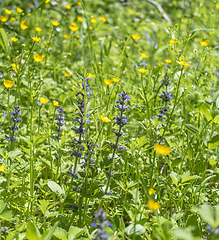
{"points": [[137, 229], [205, 112], [2, 206], [32, 232], [43, 205], [214, 139], [7, 215], [75, 232], [191, 128], [215, 96], [207, 214], [216, 119], [212, 162], [188, 178], [55, 187], [174, 177], [49, 233], [14, 153], [60, 234]]}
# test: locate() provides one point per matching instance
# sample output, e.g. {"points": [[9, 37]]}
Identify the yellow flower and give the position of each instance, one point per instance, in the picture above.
{"points": [[102, 18], [47, 1], [22, 25], [153, 205], [79, 3], [116, 80], [36, 39], [184, 64], [4, 18], [43, 100], [135, 37], [161, 149], [12, 19], [151, 191], [90, 28], [108, 81], [19, 10], [7, 11], [105, 119], [2, 168], [38, 29], [73, 24], [66, 36], [80, 19], [173, 41], [74, 29], [168, 61], [14, 39], [180, 58], [38, 58], [93, 20], [8, 83], [55, 103], [160, 64], [143, 55], [217, 5], [141, 70], [13, 65], [90, 75], [205, 43], [54, 23], [67, 74], [68, 6]]}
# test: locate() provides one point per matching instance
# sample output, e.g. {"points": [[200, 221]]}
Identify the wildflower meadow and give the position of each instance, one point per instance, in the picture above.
{"points": [[109, 119]]}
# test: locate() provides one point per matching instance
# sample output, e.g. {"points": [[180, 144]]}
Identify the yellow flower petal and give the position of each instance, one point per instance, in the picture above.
{"points": [[36, 39], [205, 43], [168, 61], [116, 80], [19, 10], [68, 6], [67, 74], [74, 29], [14, 39], [103, 19], [141, 70], [38, 58], [153, 205], [55, 103], [217, 5], [54, 23], [12, 19], [90, 75], [38, 29], [105, 119], [160, 64], [8, 83], [80, 19], [135, 37], [22, 25], [151, 191], [161, 149], [2, 168], [108, 81], [93, 20], [43, 100], [7, 11], [66, 36], [143, 55], [79, 3]]}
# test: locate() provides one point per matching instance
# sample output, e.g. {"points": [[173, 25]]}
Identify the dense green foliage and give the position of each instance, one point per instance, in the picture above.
{"points": [[154, 174]]}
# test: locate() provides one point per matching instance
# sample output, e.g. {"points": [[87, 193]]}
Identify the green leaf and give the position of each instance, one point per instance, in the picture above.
{"points": [[75, 232], [14, 154], [216, 119], [55, 187], [137, 229], [212, 162], [207, 214], [60, 234], [191, 128], [214, 139], [4, 40], [174, 177], [7, 215], [49, 233], [215, 96], [43, 205], [2, 206], [32, 232], [205, 112]]}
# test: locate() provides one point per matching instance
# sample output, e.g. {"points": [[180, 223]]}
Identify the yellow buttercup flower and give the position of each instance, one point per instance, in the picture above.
{"points": [[43, 100], [2, 168], [4, 18], [93, 20], [22, 25], [217, 5], [152, 205], [55, 103], [135, 37], [54, 23], [184, 64], [143, 55], [36, 39], [14, 39], [90, 28], [38, 29], [151, 191], [38, 58], [67, 74], [12, 19], [90, 75], [161, 149], [74, 28], [80, 19], [108, 81], [68, 6], [160, 64], [66, 36], [74, 24], [19, 10], [7, 11], [173, 41], [103, 19], [141, 70], [8, 83], [168, 60], [116, 80], [205, 43], [47, 1], [79, 3], [180, 58], [105, 119]]}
